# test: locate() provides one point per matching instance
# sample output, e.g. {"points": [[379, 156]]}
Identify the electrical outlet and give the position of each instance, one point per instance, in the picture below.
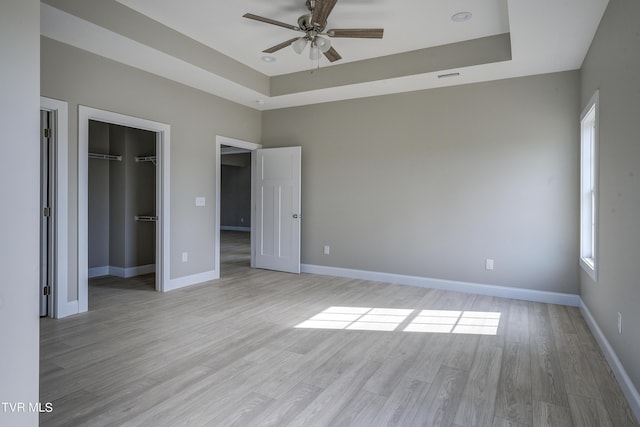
{"points": [[489, 264], [185, 257], [201, 201], [241, 219], [620, 323], [327, 250]]}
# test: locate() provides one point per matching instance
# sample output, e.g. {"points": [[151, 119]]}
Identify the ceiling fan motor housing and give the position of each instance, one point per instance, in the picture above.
{"points": [[305, 24]]}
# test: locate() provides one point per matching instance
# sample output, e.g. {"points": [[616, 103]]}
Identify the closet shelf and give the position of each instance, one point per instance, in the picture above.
{"points": [[104, 156], [146, 218], [151, 159]]}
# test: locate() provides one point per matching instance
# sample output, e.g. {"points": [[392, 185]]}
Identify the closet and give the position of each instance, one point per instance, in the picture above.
{"points": [[121, 200]]}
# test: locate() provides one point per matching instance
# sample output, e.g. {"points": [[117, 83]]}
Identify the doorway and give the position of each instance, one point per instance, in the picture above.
{"points": [[121, 202], [161, 217], [235, 209], [235, 224]]}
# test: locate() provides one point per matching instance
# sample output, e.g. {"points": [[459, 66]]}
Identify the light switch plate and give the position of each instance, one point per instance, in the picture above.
{"points": [[201, 201]]}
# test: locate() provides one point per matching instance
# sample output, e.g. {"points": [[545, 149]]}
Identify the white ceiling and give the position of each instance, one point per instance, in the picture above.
{"points": [[408, 25], [546, 36]]}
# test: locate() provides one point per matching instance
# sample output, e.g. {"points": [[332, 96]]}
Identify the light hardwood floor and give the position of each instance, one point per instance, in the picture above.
{"points": [[228, 353]]}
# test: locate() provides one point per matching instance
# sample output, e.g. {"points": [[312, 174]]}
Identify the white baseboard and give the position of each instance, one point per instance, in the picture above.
{"points": [[139, 270], [234, 228], [109, 270], [449, 285], [194, 279], [98, 271], [117, 271], [628, 389]]}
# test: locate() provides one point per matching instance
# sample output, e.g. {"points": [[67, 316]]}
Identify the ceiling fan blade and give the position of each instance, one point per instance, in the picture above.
{"points": [[280, 46], [359, 33], [321, 12], [332, 55], [270, 21]]}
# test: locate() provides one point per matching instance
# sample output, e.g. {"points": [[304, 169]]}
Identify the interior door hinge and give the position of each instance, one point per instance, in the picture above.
{"points": [[46, 133], [46, 212], [46, 290]]}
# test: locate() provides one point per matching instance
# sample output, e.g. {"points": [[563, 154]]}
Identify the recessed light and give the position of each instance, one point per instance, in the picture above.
{"points": [[268, 58], [260, 102], [461, 17]]}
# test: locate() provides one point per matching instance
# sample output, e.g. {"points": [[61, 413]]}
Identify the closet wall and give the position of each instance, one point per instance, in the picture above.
{"points": [[119, 191]]}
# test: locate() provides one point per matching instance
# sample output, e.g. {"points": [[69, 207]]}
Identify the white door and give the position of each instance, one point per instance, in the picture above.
{"points": [[277, 240]]}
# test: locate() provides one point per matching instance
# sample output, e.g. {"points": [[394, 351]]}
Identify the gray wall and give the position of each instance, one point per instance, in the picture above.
{"points": [[195, 117], [235, 190], [432, 183], [20, 207], [613, 66]]}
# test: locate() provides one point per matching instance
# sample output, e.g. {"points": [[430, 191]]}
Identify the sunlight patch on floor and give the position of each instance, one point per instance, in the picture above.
{"points": [[357, 318], [390, 319], [455, 322]]}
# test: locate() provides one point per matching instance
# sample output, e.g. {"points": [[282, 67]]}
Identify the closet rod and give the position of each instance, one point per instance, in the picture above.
{"points": [[104, 156], [151, 159], [146, 218]]}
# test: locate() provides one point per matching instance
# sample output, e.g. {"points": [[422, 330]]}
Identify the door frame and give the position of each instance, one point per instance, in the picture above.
{"points": [[220, 141], [59, 306], [163, 138]]}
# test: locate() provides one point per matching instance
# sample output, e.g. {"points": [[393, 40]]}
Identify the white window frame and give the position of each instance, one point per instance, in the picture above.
{"points": [[589, 187]]}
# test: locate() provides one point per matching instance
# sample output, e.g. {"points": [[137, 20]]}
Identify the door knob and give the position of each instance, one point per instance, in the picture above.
{"points": [[296, 216]]}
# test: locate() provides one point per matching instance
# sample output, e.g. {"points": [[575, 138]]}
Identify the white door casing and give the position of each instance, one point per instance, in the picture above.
{"points": [[163, 150], [277, 212]]}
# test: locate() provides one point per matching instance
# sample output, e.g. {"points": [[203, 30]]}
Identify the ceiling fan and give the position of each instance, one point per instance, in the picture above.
{"points": [[313, 26]]}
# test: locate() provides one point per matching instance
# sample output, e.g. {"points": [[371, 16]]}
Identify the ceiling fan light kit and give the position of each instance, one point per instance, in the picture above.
{"points": [[314, 53], [299, 45], [318, 45], [313, 25], [323, 44]]}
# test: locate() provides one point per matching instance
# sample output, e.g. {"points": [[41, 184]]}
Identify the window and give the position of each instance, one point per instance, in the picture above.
{"points": [[589, 187]]}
